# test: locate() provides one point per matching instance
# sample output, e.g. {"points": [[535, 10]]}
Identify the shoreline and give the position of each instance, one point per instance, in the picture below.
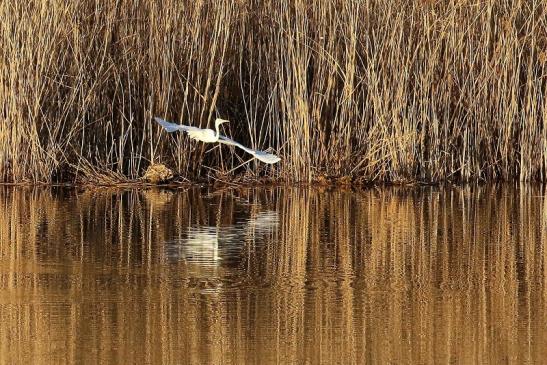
{"points": [[319, 184]]}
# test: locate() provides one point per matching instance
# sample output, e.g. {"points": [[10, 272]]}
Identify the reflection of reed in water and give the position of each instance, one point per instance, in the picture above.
{"points": [[388, 276]]}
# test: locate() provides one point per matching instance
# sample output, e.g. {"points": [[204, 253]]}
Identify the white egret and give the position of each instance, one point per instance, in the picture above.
{"points": [[259, 155], [204, 135], [210, 136]]}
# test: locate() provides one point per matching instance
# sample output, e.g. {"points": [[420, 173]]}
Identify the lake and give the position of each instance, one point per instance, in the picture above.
{"points": [[423, 275]]}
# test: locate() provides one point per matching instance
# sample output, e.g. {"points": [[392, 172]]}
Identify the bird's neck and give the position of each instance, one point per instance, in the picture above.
{"points": [[217, 130]]}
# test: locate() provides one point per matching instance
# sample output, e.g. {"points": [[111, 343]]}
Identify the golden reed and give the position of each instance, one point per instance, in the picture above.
{"points": [[368, 90]]}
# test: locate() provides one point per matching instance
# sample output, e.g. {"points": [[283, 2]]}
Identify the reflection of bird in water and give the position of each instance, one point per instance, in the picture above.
{"points": [[199, 251], [264, 221], [208, 245], [200, 247], [207, 248], [210, 136]]}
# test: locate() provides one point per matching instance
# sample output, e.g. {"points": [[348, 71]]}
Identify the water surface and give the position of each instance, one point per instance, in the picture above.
{"points": [[273, 275]]}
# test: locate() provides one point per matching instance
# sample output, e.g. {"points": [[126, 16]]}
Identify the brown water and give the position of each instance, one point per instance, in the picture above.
{"points": [[279, 275]]}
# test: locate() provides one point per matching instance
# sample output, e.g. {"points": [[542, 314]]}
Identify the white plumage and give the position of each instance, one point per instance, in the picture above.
{"points": [[209, 136]]}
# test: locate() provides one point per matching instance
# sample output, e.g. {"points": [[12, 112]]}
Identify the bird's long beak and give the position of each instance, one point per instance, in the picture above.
{"points": [[220, 121]]}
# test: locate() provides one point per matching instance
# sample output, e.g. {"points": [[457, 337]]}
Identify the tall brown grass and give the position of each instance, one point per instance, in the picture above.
{"points": [[376, 90]]}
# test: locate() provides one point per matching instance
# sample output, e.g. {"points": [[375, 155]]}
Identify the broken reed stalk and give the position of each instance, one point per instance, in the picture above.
{"points": [[375, 91]]}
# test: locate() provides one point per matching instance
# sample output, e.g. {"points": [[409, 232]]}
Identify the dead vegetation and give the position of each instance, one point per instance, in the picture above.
{"points": [[362, 91], [158, 173]]}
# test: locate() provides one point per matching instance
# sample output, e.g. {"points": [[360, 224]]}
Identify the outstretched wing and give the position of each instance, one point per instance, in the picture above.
{"points": [[260, 155], [172, 127]]}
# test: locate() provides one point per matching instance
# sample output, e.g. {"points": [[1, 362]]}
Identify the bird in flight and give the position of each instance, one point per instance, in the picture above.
{"points": [[211, 136]]}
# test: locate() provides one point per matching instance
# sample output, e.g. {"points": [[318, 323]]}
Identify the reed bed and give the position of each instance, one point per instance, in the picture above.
{"points": [[372, 91]]}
